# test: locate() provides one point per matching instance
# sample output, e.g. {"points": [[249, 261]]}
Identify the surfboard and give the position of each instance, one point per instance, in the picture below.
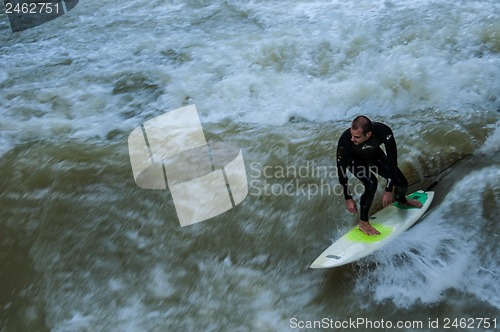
{"points": [[390, 222]]}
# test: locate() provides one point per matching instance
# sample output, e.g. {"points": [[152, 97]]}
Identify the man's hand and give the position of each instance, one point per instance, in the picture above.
{"points": [[351, 206], [387, 199]]}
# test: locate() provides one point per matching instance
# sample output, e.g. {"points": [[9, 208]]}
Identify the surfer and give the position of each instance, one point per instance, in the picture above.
{"points": [[359, 152]]}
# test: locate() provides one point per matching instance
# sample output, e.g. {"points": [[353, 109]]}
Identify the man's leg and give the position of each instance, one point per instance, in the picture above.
{"points": [[400, 188], [400, 182], [369, 180]]}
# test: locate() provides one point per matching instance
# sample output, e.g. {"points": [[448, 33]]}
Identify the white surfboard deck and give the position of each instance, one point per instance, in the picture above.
{"points": [[390, 221]]}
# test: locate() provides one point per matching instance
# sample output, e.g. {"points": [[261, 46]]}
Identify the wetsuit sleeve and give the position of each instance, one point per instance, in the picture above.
{"points": [[343, 157], [392, 155]]}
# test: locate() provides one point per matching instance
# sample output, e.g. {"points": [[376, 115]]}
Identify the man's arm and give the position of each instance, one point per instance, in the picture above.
{"points": [[343, 157], [392, 154]]}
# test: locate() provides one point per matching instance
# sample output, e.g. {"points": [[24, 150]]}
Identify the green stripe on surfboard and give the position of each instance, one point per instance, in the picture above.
{"points": [[355, 235], [421, 197]]}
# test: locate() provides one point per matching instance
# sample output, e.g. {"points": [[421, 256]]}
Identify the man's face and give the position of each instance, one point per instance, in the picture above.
{"points": [[357, 136]]}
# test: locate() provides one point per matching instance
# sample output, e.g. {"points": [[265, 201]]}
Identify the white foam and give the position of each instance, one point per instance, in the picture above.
{"points": [[78, 321], [324, 60], [492, 144], [3, 76], [431, 258], [159, 284]]}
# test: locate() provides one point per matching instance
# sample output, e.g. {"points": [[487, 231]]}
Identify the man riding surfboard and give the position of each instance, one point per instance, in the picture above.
{"points": [[359, 152]]}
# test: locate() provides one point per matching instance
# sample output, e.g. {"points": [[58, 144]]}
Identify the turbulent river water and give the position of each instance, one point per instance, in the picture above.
{"points": [[83, 248]]}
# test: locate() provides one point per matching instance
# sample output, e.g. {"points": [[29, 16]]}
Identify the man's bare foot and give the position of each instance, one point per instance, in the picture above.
{"points": [[412, 203], [368, 229]]}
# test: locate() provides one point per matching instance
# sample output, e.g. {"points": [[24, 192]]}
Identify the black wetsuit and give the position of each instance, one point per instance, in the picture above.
{"points": [[364, 159]]}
